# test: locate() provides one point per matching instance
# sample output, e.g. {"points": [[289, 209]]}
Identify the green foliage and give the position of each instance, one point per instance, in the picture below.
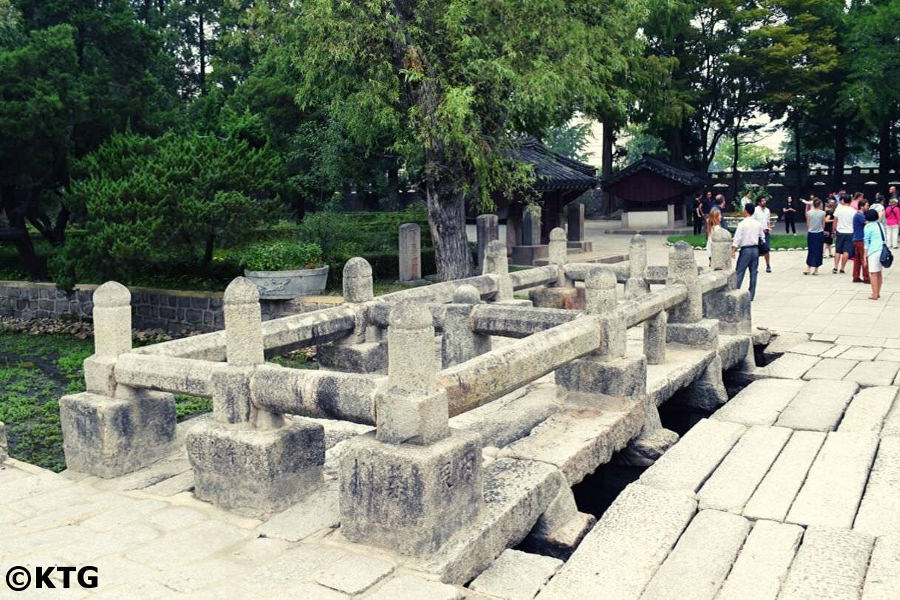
{"points": [[172, 199], [569, 140], [750, 156], [282, 256]]}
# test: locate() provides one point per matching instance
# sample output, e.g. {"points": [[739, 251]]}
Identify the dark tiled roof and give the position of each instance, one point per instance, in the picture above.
{"points": [[660, 167], [553, 171]]}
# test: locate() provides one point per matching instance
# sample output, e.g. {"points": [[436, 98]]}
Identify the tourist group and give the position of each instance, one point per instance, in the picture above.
{"points": [[847, 227]]}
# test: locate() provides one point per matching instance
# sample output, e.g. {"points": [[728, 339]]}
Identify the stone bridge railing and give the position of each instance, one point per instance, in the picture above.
{"points": [[415, 481]]}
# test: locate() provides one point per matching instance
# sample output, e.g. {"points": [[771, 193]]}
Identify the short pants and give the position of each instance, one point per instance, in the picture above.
{"points": [[843, 243]]}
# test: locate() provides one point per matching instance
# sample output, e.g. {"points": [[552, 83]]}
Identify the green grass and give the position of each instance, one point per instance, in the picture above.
{"points": [[777, 241], [35, 371]]}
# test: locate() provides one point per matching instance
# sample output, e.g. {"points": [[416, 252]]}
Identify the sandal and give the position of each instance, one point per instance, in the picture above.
{"points": [[834, 271]]}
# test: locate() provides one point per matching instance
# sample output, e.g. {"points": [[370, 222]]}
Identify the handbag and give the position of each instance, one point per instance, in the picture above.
{"points": [[887, 257]]}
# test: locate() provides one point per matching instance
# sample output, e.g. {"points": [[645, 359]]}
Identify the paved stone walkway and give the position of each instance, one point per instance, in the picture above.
{"points": [[790, 491]]}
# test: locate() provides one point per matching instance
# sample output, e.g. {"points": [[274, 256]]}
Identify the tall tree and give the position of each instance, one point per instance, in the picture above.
{"points": [[448, 81]]}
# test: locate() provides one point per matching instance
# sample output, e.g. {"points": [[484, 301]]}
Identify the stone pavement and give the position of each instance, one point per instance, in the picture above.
{"points": [[789, 491]]}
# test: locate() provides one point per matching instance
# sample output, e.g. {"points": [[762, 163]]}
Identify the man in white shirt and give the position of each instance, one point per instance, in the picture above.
{"points": [[747, 236], [762, 215], [843, 241]]}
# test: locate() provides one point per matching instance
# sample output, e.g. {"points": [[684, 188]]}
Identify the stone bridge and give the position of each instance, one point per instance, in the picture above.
{"points": [[438, 444]]}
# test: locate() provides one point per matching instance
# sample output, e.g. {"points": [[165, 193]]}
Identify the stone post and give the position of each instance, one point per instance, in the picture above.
{"points": [[683, 270], [112, 429], [575, 218], [608, 370], [487, 228], [636, 284], [558, 254], [271, 464], [413, 483], [364, 350], [459, 343], [720, 247], [513, 232], [496, 263], [531, 226], [410, 242], [655, 339]]}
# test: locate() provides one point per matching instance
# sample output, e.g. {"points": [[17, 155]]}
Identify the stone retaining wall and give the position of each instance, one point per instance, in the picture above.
{"points": [[171, 310]]}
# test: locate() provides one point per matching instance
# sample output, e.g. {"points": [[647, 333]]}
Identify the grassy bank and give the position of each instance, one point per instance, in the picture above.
{"points": [[35, 370], [777, 241]]}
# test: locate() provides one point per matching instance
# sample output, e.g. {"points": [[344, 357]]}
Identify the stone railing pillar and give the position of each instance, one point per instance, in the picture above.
{"points": [[496, 263], [414, 482], [563, 294], [558, 254], [410, 252], [275, 464], [600, 300], [608, 370], [111, 429], [683, 270], [637, 284], [730, 306], [487, 229], [363, 350], [459, 343], [655, 338]]}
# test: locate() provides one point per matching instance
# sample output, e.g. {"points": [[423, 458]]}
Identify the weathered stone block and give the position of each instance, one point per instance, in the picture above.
{"points": [[108, 437], [252, 471], [704, 334], [370, 357], [620, 377], [731, 308], [411, 417], [99, 375], [410, 498]]}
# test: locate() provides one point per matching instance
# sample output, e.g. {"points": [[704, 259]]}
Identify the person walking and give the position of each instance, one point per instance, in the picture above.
{"points": [[815, 237], [874, 241], [892, 222], [763, 217], [860, 273], [829, 229], [747, 238], [698, 213], [790, 213], [843, 239]]}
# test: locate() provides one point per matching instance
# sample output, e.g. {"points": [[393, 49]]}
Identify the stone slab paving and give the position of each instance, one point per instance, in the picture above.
{"points": [[889, 354], [687, 465], [733, 482], [835, 351], [831, 563], [879, 510], [702, 558], [861, 352], [868, 409], [775, 494], [877, 372], [830, 368], [818, 406], [891, 425], [791, 366], [883, 576], [625, 548], [812, 348], [763, 562], [835, 483], [760, 403], [516, 575]]}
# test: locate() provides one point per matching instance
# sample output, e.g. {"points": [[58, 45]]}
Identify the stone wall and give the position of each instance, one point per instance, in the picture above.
{"points": [[170, 310]]}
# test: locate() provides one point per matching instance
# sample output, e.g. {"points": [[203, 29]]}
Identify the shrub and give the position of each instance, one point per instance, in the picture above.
{"points": [[282, 256]]}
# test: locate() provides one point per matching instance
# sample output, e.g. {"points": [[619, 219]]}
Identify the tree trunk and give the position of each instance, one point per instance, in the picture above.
{"points": [[201, 35], [840, 153], [609, 140], [675, 147], [208, 249], [884, 152], [735, 138], [447, 222], [393, 185]]}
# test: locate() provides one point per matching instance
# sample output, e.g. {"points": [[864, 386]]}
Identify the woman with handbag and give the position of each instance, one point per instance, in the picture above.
{"points": [[878, 255]]}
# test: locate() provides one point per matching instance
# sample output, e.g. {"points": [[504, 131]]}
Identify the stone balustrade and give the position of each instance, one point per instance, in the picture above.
{"points": [[413, 482]]}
